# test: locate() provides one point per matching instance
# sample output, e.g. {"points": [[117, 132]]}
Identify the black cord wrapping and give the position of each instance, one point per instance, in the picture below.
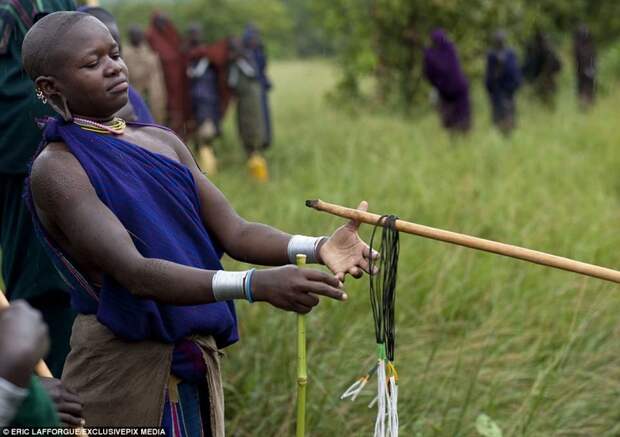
{"points": [[383, 283]]}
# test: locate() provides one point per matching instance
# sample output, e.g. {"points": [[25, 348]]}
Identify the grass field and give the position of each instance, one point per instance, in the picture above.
{"points": [[535, 349]]}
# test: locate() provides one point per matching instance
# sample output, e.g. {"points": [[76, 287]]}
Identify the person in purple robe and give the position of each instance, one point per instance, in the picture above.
{"points": [[443, 70]]}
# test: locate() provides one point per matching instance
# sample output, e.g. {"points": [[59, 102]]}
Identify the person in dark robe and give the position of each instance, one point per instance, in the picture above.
{"points": [[203, 80], [218, 54], [243, 79], [253, 42], [139, 232], [164, 39], [541, 67], [26, 270], [502, 80], [443, 70], [585, 65]]}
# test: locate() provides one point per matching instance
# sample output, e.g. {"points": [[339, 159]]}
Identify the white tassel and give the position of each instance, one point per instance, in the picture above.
{"points": [[353, 388], [381, 400], [393, 408]]}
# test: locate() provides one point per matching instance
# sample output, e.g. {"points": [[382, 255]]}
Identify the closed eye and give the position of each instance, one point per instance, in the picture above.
{"points": [[91, 65]]}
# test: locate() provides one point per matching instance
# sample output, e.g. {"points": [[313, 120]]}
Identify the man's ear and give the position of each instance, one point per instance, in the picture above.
{"points": [[48, 85]]}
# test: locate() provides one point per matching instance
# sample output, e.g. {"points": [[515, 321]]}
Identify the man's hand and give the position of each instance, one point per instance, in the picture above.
{"points": [[23, 342], [67, 403], [344, 252], [293, 289]]}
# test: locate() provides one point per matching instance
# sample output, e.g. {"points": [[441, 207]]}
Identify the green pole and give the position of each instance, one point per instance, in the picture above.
{"points": [[302, 375]]}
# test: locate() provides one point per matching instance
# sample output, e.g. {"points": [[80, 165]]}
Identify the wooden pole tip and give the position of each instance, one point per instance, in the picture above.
{"points": [[312, 203]]}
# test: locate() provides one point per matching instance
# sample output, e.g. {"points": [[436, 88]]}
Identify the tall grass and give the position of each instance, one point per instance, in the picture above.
{"points": [[535, 349]]}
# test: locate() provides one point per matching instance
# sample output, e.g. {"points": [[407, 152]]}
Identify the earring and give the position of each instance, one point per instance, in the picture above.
{"points": [[41, 96]]}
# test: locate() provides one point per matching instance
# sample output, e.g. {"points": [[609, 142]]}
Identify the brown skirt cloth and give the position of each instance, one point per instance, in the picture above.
{"points": [[123, 383]]}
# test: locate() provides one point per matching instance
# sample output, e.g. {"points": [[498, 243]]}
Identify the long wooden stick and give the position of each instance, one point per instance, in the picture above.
{"points": [[522, 253], [41, 368], [302, 371]]}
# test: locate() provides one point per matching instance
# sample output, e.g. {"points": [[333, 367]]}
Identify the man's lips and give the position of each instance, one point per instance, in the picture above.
{"points": [[119, 86]]}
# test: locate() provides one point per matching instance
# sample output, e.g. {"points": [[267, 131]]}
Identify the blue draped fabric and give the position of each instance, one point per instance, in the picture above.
{"points": [[143, 114], [156, 200], [503, 74]]}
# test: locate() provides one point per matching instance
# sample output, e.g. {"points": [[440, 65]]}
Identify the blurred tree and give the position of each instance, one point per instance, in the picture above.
{"points": [[219, 18], [380, 38], [385, 38]]}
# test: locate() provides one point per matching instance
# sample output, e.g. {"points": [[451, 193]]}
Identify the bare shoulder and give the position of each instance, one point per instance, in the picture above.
{"points": [[57, 176], [171, 139]]}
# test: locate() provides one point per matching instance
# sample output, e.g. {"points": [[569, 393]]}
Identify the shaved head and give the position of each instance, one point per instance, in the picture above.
{"points": [[74, 60], [43, 44]]}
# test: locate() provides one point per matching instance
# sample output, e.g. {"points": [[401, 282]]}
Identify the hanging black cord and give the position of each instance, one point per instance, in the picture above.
{"points": [[391, 247], [376, 287], [383, 283]]}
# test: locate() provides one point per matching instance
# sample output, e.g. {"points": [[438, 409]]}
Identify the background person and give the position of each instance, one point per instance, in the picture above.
{"points": [[146, 73], [542, 65], [164, 39], [253, 42], [26, 400], [502, 80], [26, 270], [443, 70], [585, 65]]}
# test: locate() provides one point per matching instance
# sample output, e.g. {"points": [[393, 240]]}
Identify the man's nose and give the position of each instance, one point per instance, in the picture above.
{"points": [[113, 66]]}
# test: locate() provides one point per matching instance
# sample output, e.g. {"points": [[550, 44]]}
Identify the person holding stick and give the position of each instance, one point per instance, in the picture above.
{"points": [[139, 232]]}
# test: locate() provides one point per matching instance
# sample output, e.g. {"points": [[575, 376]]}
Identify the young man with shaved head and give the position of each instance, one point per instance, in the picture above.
{"points": [[140, 231]]}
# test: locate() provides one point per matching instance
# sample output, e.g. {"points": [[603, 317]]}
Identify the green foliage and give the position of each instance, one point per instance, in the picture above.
{"points": [[219, 18], [385, 38], [533, 348]]}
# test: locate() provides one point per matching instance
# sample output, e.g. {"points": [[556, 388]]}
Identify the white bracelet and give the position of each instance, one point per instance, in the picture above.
{"points": [[11, 398], [228, 285], [302, 245]]}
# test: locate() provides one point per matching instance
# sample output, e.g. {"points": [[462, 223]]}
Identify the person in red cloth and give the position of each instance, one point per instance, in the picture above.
{"points": [[218, 54], [166, 42]]}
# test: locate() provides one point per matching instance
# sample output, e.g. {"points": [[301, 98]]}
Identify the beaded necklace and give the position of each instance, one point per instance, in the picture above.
{"points": [[116, 127]]}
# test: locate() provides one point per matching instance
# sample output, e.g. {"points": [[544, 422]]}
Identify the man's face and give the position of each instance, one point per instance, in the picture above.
{"points": [[93, 76]]}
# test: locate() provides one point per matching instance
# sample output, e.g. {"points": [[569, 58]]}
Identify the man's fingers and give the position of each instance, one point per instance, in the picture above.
{"points": [[72, 408], [315, 275], [356, 272], [326, 290], [364, 264], [308, 300], [366, 253], [354, 224], [301, 309], [70, 420], [70, 396]]}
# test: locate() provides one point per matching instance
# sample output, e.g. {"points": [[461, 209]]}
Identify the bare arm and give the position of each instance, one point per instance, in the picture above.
{"points": [[66, 200], [245, 241], [64, 196], [344, 252]]}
